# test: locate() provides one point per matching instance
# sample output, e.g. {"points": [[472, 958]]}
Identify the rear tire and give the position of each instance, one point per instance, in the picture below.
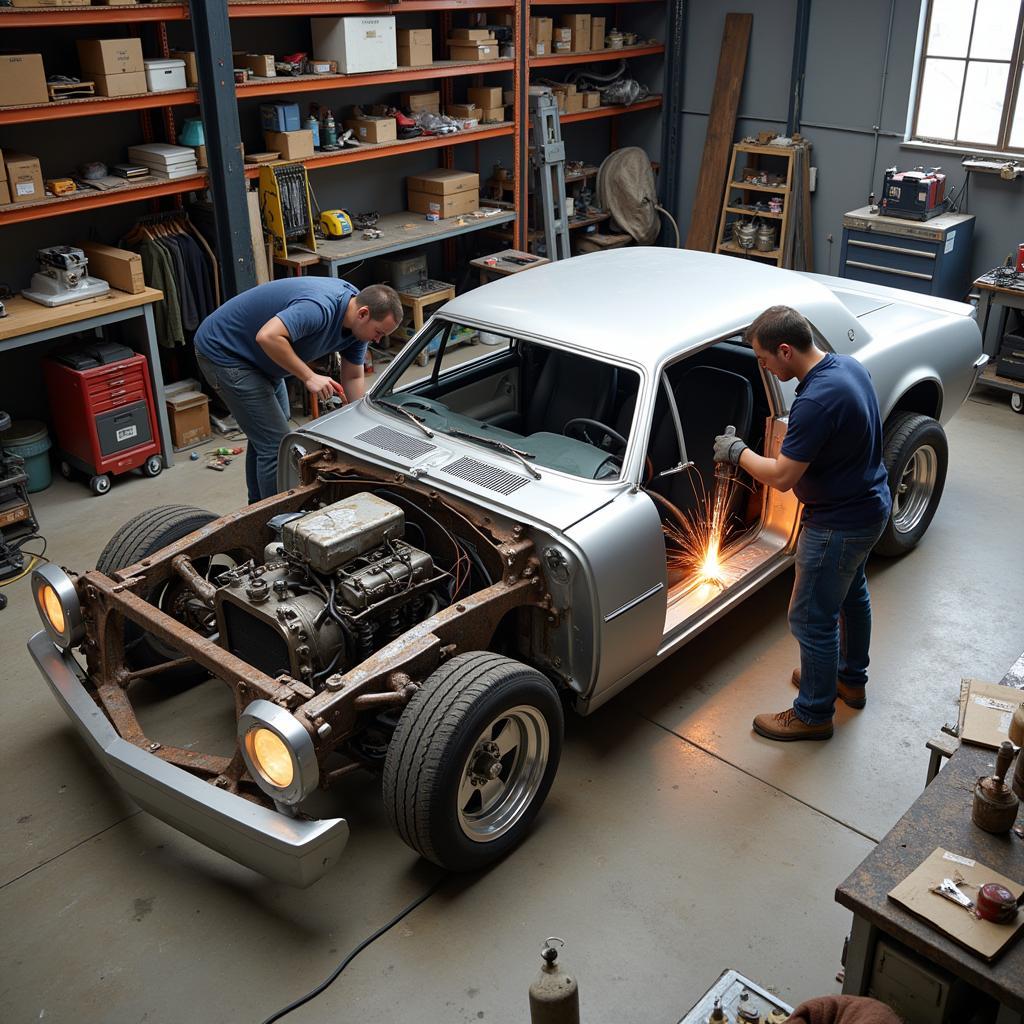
{"points": [[472, 759], [147, 533], [916, 455]]}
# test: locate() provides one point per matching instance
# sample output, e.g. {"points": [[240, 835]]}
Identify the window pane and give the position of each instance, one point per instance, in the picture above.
{"points": [[950, 28], [995, 26], [982, 109], [1017, 132], [940, 98]]}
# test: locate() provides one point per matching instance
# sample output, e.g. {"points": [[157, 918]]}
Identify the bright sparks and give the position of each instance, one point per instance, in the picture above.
{"points": [[695, 543]]}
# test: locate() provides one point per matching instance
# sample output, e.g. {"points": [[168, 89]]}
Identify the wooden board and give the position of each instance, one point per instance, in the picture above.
{"points": [[707, 202], [259, 250], [25, 316]]}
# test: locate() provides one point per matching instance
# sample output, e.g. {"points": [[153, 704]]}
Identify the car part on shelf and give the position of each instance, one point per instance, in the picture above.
{"points": [[63, 276]]}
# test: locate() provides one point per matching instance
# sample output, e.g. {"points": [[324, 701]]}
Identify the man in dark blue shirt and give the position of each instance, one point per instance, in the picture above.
{"points": [[249, 345], [832, 460]]}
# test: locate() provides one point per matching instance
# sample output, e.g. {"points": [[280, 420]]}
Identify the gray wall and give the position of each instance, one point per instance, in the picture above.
{"points": [[843, 87]]}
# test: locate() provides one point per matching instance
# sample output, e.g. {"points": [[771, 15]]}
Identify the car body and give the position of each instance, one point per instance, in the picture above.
{"points": [[477, 543]]}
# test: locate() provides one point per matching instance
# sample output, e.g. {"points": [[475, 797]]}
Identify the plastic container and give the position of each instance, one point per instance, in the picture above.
{"points": [[165, 74], [30, 440]]}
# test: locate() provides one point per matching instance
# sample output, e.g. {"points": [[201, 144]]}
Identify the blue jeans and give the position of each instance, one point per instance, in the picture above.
{"points": [[830, 615], [260, 405]]}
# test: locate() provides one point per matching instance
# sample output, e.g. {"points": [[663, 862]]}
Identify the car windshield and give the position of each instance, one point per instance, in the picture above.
{"points": [[538, 404]]}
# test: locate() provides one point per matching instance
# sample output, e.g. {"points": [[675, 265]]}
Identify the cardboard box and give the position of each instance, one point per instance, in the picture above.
{"points": [[50, 3], [189, 57], [579, 25], [485, 96], [444, 182], [291, 145], [201, 161], [110, 56], [357, 44], [374, 129], [473, 51], [492, 114], [508, 97], [591, 99], [562, 35], [22, 79], [189, 415], [121, 85], [561, 47], [573, 102], [416, 101], [321, 67], [24, 178], [478, 35], [415, 47], [541, 48], [560, 101], [463, 111], [445, 206], [120, 268], [597, 33], [259, 64], [541, 30], [5, 193]]}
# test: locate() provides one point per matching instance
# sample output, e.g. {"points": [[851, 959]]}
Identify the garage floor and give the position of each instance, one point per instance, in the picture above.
{"points": [[673, 845]]}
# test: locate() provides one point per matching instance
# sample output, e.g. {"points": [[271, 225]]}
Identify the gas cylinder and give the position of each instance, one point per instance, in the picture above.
{"points": [[554, 997], [330, 130], [313, 125]]}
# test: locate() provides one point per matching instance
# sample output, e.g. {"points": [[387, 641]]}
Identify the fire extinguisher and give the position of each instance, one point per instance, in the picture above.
{"points": [[554, 996]]}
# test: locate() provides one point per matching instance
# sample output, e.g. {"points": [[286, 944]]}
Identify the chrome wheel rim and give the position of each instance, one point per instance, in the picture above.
{"points": [[502, 773], [915, 488]]}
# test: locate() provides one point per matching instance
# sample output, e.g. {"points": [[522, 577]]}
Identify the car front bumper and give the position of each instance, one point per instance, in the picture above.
{"points": [[288, 850]]}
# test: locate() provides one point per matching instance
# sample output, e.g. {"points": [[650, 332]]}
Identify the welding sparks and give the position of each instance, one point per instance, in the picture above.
{"points": [[696, 540]]}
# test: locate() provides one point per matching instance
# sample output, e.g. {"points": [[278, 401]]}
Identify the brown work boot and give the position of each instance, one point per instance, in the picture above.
{"points": [[786, 726], [851, 696]]}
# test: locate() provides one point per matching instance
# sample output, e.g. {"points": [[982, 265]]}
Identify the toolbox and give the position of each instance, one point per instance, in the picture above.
{"points": [[1011, 357], [103, 414]]}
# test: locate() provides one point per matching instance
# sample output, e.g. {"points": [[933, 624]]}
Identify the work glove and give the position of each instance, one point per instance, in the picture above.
{"points": [[729, 447]]}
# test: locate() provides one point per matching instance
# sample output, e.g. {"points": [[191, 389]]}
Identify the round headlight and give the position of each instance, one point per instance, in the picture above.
{"points": [[58, 606], [278, 752]]}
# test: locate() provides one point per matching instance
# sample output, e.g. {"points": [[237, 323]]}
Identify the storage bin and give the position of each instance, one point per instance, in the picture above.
{"points": [[30, 440], [165, 74]]}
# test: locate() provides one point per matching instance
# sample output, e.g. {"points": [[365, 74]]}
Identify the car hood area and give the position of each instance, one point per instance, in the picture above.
{"points": [[460, 467]]}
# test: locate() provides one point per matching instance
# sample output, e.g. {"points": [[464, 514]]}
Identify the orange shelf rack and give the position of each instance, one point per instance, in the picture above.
{"points": [[590, 56]]}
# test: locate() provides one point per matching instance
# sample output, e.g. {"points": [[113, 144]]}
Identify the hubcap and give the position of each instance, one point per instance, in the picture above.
{"points": [[502, 773], [914, 490]]}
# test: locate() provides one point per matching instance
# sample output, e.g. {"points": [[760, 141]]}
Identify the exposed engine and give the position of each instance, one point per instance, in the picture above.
{"points": [[339, 584]]}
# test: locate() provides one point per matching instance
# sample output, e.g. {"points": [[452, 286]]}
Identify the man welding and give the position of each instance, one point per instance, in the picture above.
{"points": [[249, 345], [832, 459]]}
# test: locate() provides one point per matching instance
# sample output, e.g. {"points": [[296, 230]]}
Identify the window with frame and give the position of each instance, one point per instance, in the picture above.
{"points": [[968, 87]]}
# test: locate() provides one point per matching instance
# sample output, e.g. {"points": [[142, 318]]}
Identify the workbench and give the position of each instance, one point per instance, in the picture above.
{"points": [[29, 323], [940, 817], [403, 230], [990, 294]]}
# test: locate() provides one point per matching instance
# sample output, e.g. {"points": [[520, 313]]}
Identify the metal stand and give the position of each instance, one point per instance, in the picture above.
{"points": [[548, 159]]}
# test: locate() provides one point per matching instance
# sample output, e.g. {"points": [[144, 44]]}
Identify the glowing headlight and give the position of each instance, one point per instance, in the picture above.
{"points": [[58, 606], [278, 752]]}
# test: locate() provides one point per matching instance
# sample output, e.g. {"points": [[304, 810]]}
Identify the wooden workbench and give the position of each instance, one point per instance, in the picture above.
{"points": [[29, 323]]}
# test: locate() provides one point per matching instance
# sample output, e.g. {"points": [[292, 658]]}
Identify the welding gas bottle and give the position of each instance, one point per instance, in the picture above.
{"points": [[554, 996], [330, 130], [313, 125]]}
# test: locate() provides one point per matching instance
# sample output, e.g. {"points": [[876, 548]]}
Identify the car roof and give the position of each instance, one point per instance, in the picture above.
{"points": [[643, 303]]}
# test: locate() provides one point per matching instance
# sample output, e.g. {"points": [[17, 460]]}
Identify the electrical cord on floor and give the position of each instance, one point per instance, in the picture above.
{"points": [[36, 558], [404, 912]]}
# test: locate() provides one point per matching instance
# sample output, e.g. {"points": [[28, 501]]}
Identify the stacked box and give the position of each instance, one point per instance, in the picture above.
{"points": [[579, 28], [415, 47], [481, 49], [591, 99], [22, 79], [541, 30], [463, 111], [116, 66], [597, 33], [415, 102], [374, 129], [445, 193]]}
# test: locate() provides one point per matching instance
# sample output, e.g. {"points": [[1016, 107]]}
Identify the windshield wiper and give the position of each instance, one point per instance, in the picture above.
{"points": [[418, 420], [502, 446]]}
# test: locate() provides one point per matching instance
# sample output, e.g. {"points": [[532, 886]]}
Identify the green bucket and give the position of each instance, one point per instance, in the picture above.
{"points": [[29, 440]]}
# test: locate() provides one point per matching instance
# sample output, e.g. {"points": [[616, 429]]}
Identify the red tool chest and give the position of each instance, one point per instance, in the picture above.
{"points": [[104, 419]]}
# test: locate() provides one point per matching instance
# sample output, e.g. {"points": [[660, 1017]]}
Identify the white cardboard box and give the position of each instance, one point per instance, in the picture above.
{"points": [[357, 44]]}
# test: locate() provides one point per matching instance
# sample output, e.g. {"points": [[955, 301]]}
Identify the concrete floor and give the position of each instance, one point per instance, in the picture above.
{"points": [[674, 843]]}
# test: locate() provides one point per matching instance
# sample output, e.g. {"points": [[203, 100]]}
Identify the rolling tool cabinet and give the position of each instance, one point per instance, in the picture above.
{"points": [[930, 257]]}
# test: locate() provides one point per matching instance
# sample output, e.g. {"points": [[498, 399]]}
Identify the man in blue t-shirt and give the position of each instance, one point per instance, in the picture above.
{"points": [[832, 459], [249, 345]]}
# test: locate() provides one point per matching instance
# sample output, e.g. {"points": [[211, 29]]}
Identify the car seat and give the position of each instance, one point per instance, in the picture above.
{"points": [[568, 387]]}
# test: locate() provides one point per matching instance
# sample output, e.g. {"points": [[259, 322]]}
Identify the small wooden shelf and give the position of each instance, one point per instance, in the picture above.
{"points": [[287, 84], [735, 250], [747, 187], [591, 56], [753, 213], [88, 106]]}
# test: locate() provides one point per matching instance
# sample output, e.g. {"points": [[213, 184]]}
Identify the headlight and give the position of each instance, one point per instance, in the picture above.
{"points": [[58, 606], [278, 752]]}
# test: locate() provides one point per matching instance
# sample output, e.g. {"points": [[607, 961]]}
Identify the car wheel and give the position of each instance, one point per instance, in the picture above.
{"points": [[139, 538], [99, 484], [1017, 402], [915, 455], [472, 759]]}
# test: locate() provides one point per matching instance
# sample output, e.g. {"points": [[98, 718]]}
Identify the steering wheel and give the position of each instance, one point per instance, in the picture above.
{"points": [[577, 429]]}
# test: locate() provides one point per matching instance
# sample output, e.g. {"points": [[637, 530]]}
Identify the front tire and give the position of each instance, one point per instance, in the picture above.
{"points": [[472, 760], [916, 456]]}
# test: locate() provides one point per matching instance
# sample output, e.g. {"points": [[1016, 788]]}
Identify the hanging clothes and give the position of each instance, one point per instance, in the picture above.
{"points": [[159, 273]]}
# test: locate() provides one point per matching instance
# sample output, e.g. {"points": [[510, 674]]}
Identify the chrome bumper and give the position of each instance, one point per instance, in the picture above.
{"points": [[285, 849]]}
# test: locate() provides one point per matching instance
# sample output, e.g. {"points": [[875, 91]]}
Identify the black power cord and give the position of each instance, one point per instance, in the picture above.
{"points": [[332, 977]]}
